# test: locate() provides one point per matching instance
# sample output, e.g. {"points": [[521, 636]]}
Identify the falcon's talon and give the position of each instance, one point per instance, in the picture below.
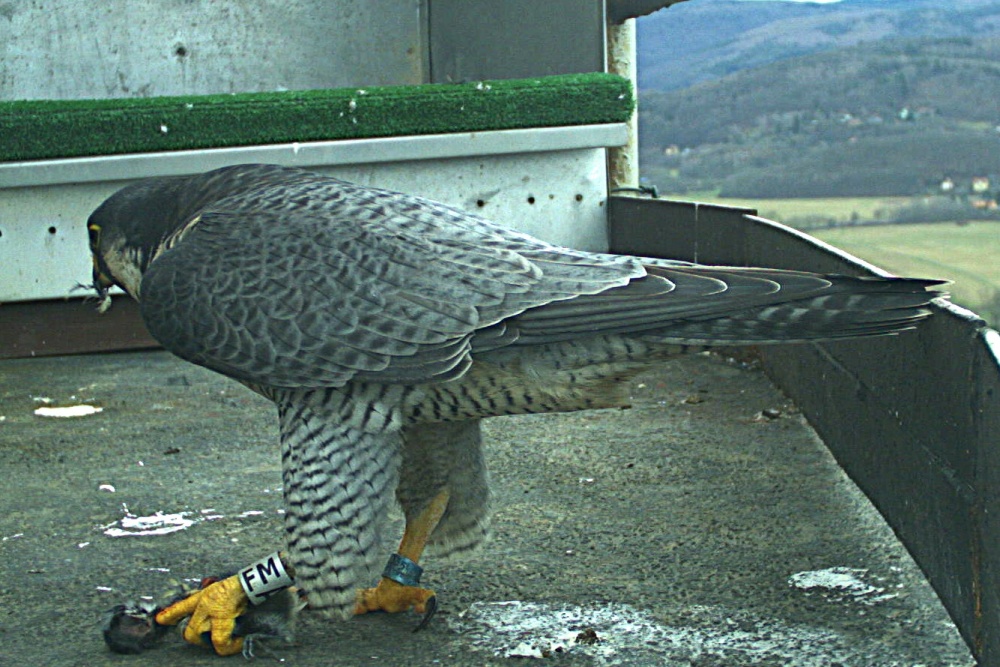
{"points": [[254, 647], [432, 607], [210, 615], [248, 648], [393, 597]]}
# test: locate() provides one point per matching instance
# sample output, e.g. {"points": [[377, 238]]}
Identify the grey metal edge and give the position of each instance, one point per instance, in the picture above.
{"points": [[308, 154]]}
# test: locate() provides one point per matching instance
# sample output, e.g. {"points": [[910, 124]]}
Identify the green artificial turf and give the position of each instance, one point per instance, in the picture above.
{"points": [[43, 129]]}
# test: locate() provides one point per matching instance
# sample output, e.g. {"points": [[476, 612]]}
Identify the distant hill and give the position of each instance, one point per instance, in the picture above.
{"points": [[701, 40], [880, 118], [757, 100]]}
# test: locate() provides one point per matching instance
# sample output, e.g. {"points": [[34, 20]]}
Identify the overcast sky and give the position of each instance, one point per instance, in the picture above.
{"points": [[816, 2]]}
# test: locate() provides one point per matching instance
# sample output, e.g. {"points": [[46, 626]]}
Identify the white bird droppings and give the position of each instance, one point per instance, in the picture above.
{"points": [[157, 523], [617, 635], [68, 411], [160, 523], [841, 584]]}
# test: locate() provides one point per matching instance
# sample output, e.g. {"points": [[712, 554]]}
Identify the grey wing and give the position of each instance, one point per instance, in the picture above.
{"points": [[390, 288], [682, 303]]}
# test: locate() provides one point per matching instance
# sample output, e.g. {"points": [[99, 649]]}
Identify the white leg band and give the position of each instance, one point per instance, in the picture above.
{"points": [[263, 578]]}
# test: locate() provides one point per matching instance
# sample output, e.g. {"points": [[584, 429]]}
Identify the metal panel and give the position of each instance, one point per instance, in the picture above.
{"points": [[43, 240], [622, 10], [67, 49], [471, 40], [914, 419], [49, 328], [985, 413], [311, 154]]}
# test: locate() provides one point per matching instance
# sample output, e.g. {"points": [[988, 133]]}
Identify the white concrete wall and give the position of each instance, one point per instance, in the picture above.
{"points": [[72, 49], [553, 188]]}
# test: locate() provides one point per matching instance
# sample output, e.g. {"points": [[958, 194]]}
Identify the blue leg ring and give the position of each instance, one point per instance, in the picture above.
{"points": [[402, 570]]}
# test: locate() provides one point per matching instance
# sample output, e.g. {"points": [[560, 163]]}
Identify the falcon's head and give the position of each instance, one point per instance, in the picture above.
{"points": [[128, 230], [142, 220], [108, 249]]}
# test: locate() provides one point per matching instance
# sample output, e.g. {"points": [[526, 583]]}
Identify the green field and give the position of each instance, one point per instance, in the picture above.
{"points": [[967, 254], [793, 211]]}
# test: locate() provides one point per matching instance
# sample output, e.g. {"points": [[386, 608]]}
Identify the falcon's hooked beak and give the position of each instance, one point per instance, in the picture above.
{"points": [[101, 282], [101, 285]]}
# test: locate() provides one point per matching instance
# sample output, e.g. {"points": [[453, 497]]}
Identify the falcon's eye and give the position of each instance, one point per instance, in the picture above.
{"points": [[94, 232]]}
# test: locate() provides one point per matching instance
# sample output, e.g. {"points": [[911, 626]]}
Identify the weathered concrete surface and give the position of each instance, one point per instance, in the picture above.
{"points": [[686, 508], [63, 49]]}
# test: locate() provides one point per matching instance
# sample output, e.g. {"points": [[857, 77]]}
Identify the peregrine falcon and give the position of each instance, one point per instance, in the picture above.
{"points": [[385, 326]]}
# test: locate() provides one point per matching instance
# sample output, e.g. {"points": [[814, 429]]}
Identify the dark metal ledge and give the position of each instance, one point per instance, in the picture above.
{"points": [[913, 419], [70, 326]]}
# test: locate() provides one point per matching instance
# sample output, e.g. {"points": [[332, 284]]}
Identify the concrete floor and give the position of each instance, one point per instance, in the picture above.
{"points": [[688, 530]]}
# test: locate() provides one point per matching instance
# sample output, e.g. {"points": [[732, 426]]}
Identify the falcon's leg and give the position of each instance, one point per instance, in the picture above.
{"points": [[340, 453], [447, 456], [393, 596], [445, 497]]}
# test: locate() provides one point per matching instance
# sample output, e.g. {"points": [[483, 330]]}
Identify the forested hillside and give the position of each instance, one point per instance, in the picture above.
{"points": [[701, 40], [887, 118]]}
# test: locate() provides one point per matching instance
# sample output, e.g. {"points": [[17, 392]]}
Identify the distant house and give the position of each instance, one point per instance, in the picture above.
{"points": [[947, 185], [980, 184]]}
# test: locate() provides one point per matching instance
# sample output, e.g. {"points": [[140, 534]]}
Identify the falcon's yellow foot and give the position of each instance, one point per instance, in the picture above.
{"points": [[399, 588], [213, 611], [394, 597], [259, 601]]}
